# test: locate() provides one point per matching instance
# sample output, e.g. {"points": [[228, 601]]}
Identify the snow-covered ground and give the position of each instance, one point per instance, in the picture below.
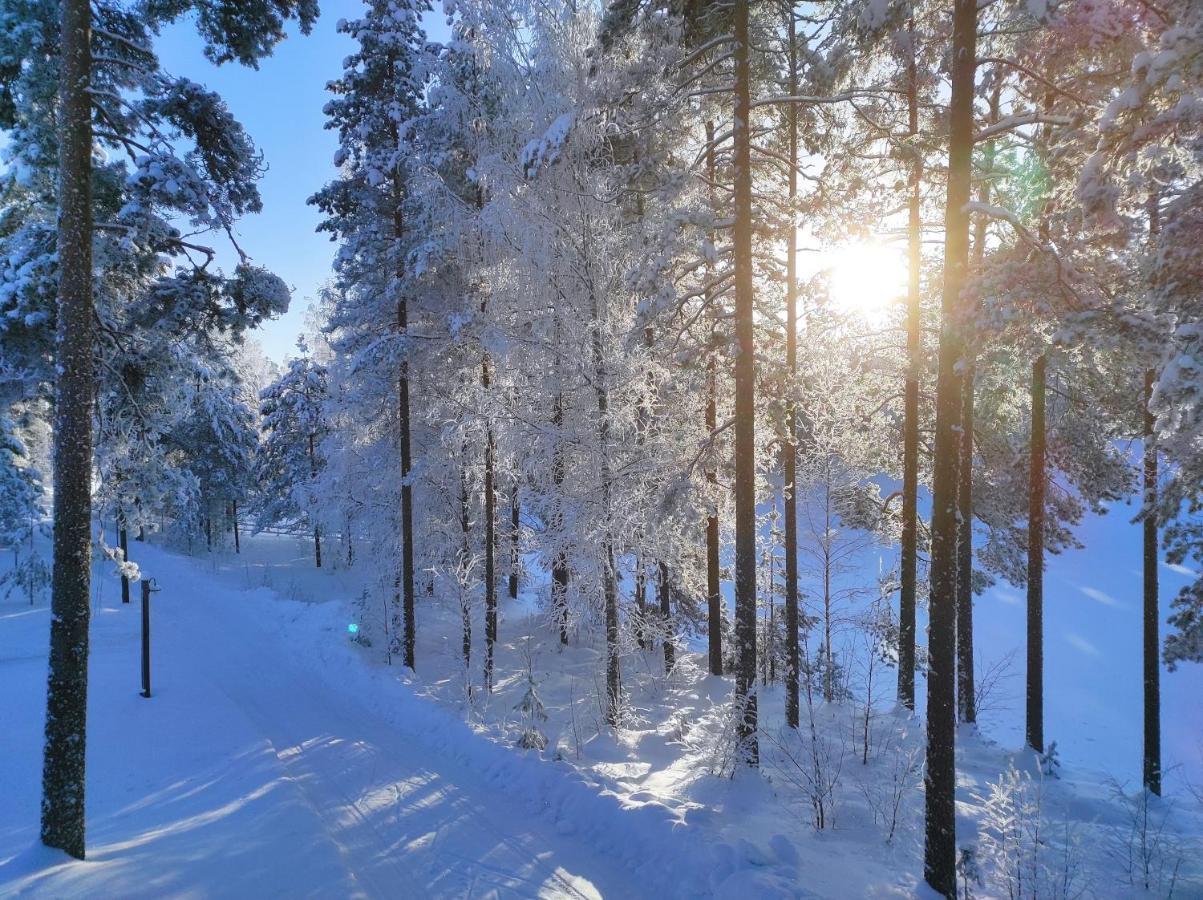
{"points": [[279, 758]]}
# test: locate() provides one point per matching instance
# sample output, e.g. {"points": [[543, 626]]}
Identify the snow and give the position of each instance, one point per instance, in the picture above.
{"points": [[278, 757]]}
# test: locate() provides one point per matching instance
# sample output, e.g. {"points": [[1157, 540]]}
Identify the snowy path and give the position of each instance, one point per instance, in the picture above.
{"points": [[251, 774]]}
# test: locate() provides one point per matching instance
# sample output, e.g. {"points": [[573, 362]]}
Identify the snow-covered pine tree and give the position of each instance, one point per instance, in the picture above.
{"points": [[97, 57], [289, 460]]}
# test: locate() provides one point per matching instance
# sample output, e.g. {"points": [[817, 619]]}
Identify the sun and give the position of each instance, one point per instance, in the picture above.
{"points": [[866, 278]]}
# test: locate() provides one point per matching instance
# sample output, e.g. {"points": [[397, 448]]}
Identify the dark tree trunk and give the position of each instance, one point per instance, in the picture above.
{"points": [[664, 594], [237, 536], [714, 601], [67, 680], [490, 514], [789, 451], [745, 400], [123, 543], [940, 846], [910, 428], [966, 708], [317, 537], [966, 701], [208, 532], [464, 561], [559, 565], [515, 539], [407, 491], [609, 572], [1036, 486], [640, 603], [1152, 618]]}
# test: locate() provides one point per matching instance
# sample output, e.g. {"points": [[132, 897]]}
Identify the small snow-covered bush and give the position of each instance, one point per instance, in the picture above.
{"points": [[1020, 852]]}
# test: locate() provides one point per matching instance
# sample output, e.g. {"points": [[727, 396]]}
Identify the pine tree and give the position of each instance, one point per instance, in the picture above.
{"points": [[289, 461], [939, 867]]}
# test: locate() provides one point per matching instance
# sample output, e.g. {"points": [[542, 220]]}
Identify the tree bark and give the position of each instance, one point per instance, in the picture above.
{"points": [[966, 701], [465, 558], [940, 845], [407, 491], [910, 429], [664, 595], [490, 513], [559, 565], [123, 543], [714, 600], [745, 400], [1036, 487], [238, 537], [1152, 617], [789, 451], [63, 768], [317, 534], [515, 537]]}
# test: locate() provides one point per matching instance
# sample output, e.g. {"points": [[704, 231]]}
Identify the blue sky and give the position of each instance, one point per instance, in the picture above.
{"points": [[281, 107]]}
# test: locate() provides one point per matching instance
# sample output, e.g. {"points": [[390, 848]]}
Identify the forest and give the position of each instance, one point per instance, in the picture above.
{"points": [[688, 374]]}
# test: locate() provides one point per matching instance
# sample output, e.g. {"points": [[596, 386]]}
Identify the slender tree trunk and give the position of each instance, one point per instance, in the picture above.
{"points": [[67, 681], [609, 571], [910, 429], [515, 538], [1036, 488], [714, 600], [490, 513], [745, 399], [237, 536], [465, 558], [966, 702], [208, 531], [1152, 617], [664, 594], [789, 451], [940, 847], [123, 543], [559, 565], [407, 491], [640, 601], [317, 534]]}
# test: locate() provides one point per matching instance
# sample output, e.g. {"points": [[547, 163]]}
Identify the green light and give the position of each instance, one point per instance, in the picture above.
{"points": [[352, 628]]}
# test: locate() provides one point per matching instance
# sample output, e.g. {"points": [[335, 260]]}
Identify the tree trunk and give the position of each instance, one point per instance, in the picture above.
{"points": [[1152, 618], [407, 491], [490, 513], [515, 538], [910, 429], [714, 600], [559, 565], [966, 702], [640, 602], [609, 572], [664, 594], [63, 764], [237, 536], [940, 846], [1036, 486], [745, 400], [465, 557], [789, 451], [123, 543]]}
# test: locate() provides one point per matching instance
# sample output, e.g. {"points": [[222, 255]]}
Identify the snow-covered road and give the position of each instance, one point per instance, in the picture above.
{"points": [[253, 773]]}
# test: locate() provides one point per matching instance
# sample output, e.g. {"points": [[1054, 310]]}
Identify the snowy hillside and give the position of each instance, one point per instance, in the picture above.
{"points": [[277, 757]]}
